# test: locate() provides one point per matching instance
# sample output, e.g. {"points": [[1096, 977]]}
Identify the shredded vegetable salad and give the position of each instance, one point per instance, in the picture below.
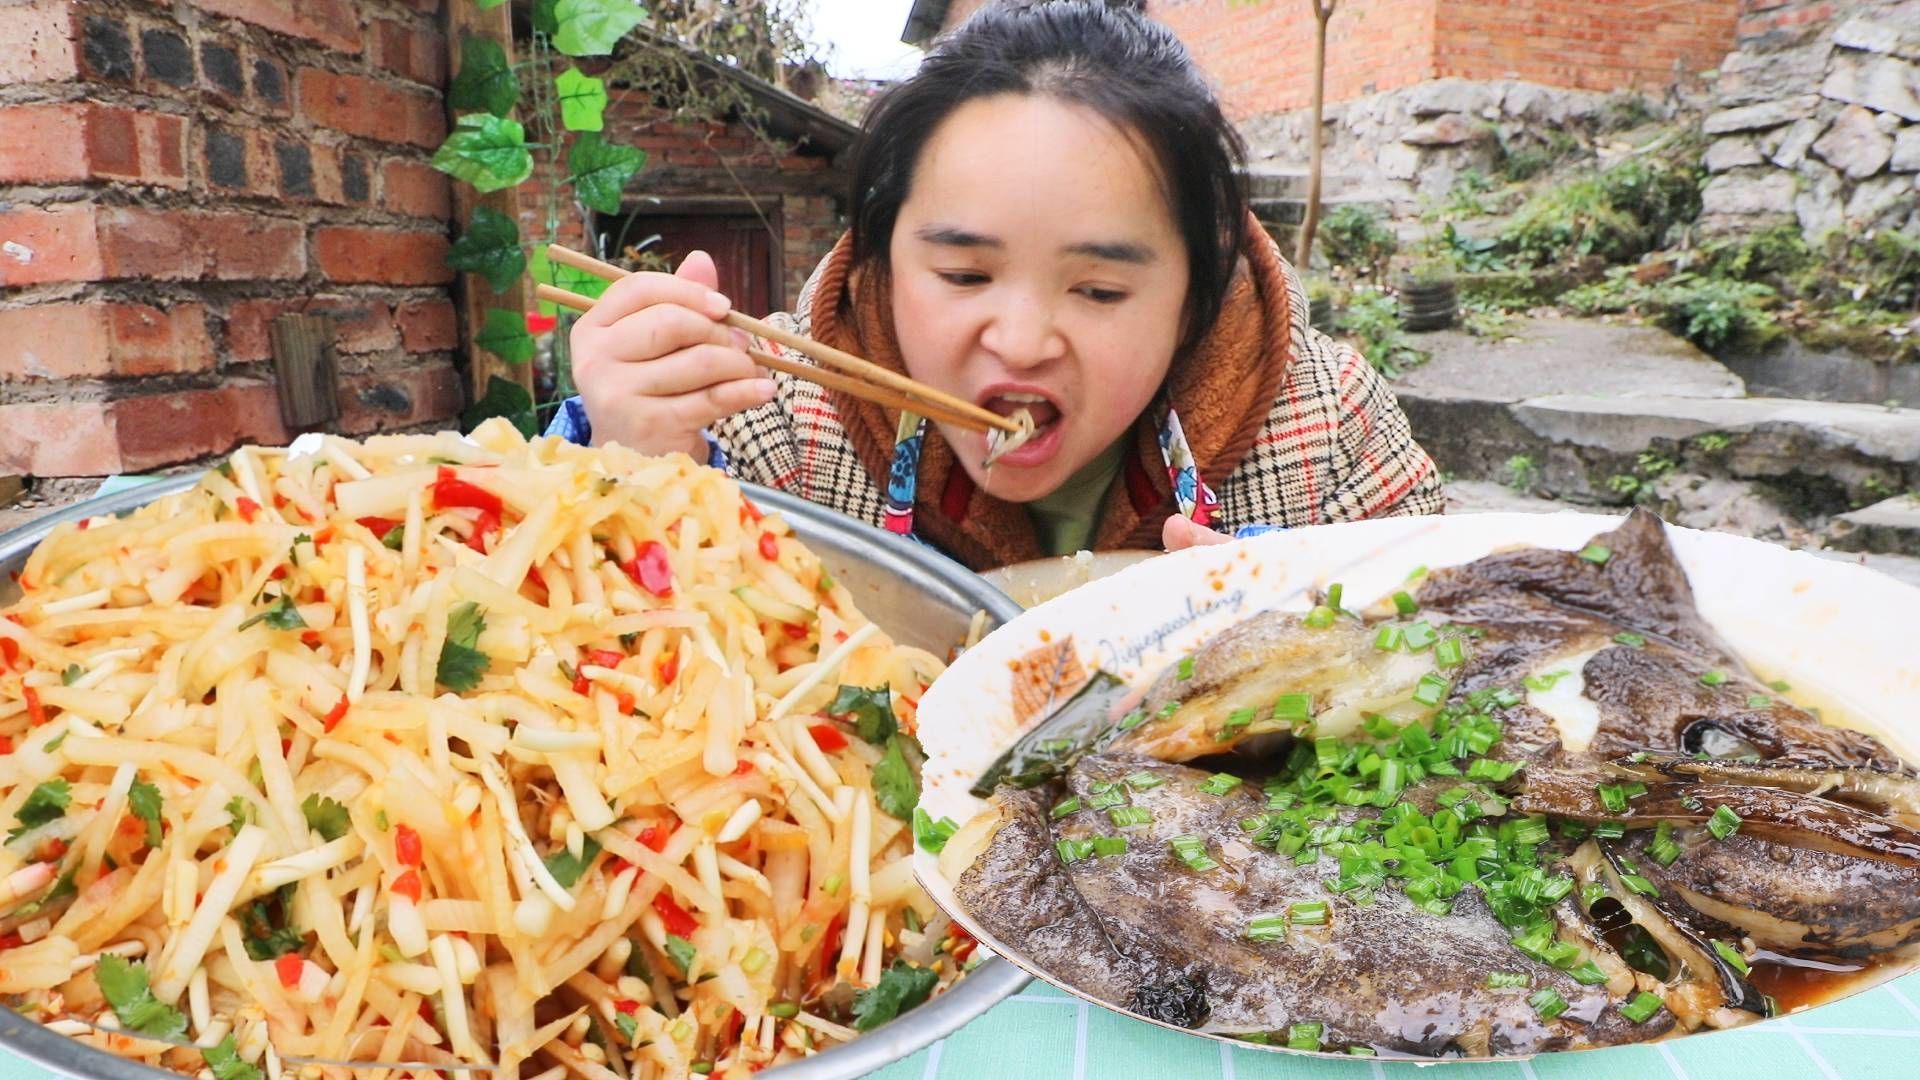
{"points": [[462, 757]]}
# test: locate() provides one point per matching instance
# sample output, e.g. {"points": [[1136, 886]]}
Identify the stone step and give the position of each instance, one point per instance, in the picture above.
{"points": [[1889, 527], [1598, 413]]}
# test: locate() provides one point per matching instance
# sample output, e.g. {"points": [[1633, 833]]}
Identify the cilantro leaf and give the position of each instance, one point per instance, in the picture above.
{"points": [[62, 889], [869, 709], [281, 616], [144, 798], [72, 674], [900, 988], [241, 811], [293, 549], [124, 984], [224, 1060], [566, 869], [932, 835], [326, 817], [267, 937], [461, 664], [629, 1027], [47, 803], [682, 952], [895, 787], [395, 537]]}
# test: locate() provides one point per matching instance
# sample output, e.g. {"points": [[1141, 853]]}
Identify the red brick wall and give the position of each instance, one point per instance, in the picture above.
{"points": [[1260, 54], [177, 175], [1765, 22], [1582, 45]]}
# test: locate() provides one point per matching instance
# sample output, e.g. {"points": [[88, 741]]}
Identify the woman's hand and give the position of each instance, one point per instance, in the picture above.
{"points": [[656, 366], [1180, 533]]}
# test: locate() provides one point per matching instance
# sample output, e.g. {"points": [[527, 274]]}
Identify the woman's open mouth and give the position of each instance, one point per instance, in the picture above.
{"points": [[1047, 424]]}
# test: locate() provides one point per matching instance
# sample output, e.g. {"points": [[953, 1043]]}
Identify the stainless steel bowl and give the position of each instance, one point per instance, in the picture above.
{"points": [[921, 597]]}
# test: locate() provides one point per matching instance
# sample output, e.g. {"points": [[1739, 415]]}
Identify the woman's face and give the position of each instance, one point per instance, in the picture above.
{"points": [[1035, 264]]}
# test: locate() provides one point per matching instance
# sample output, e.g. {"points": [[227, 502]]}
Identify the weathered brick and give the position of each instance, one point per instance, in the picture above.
{"points": [[370, 108], [332, 23], [296, 168], [359, 325], [381, 256], [38, 43], [416, 53], [246, 328], [98, 340], [107, 49], [410, 187], [48, 243], [270, 85], [58, 438], [226, 157], [166, 57], [177, 245], [44, 144], [428, 325], [243, 246], [417, 394], [163, 429], [355, 182], [220, 64]]}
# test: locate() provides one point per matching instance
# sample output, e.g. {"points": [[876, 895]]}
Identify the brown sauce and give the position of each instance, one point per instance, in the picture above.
{"points": [[1800, 983]]}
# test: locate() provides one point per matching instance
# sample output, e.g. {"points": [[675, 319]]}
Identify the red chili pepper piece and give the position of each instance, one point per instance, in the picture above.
{"points": [[310, 638], [827, 737], [794, 631], [654, 837], [10, 940], [769, 547], [650, 569], [626, 1006], [830, 945], [36, 715], [743, 768], [748, 511], [604, 657], [6, 744], [289, 967], [378, 526], [449, 490], [581, 686], [674, 917], [484, 526], [408, 885], [9, 652], [248, 509], [667, 666], [624, 703], [406, 846], [334, 715]]}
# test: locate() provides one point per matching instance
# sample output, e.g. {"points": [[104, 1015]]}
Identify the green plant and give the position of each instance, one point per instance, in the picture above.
{"points": [[1482, 318], [1359, 238], [1713, 313], [1372, 320], [1713, 442], [1522, 473], [1471, 254], [1619, 214], [1624, 484], [1653, 465], [1429, 271]]}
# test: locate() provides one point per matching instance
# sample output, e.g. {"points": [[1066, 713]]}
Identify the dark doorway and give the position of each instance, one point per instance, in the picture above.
{"points": [[743, 250]]}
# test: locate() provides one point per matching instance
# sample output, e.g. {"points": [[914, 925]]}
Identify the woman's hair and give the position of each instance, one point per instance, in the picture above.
{"points": [[1108, 58]]}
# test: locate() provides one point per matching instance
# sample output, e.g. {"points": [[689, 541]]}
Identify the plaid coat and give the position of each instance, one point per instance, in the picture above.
{"points": [[1335, 445]]}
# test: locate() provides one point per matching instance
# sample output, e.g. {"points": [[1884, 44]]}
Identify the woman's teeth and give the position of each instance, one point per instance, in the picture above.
{"points": [[1042, 411]]}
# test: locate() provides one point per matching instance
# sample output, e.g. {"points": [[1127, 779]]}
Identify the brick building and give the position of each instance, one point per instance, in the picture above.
{"points": [[175, 176]]}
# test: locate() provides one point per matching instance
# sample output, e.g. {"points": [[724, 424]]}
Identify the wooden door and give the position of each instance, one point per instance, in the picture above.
{"points": [[742, 249]]}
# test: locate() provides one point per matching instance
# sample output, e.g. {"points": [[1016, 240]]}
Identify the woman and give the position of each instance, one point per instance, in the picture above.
{"points": [[1048, 216]]}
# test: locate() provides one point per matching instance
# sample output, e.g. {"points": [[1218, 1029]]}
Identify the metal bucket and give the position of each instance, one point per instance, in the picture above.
{"points": [[919, 596]]}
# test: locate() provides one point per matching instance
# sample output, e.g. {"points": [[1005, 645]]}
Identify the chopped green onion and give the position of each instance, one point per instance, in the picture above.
{"points": [[1193, 851], [1450, 653], [1545, 681], [1432, 690], [1065, 806], [1109, 845], [1489, 769], [1267, 928], [757, 958], [1145, 781], [1124, 816], [1320, 617], [1133, 720], [1186, 668], [1592, 893], [702, 1068], [1405, 603], [785, 1010], [1532, 830], [1663, 850], [1420, 636], [1547, 1002], [1630, 639], [1167, 710], [1638, 884], [1780, 686], [1237, 721], [1308, 913], [1294, 708], [1388, 639], [1609, 830], [1361, 1051], [1723, 823], [1759, 701], [1597, 554], [1334, 592], [1072, 851], [1258, 1038], [1713, 678], [1304, 1037], [1732, 956], [1220, 784], [1507, 980], [1587, 974], [1613, 797], [1642, 1007], [1105, 797]]}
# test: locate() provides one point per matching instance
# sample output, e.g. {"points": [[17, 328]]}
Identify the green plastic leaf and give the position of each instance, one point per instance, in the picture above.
{"points": [[486, 151], [507, 398], [491, 248], [601, 170], [504, 334], [563, 277], [488, 5], [583, 100], [485, 81], [592, 27], [544, 21]]}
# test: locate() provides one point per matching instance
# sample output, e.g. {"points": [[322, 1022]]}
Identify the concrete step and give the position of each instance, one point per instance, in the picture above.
{"points": [[1599, 413], [1889, 527]]}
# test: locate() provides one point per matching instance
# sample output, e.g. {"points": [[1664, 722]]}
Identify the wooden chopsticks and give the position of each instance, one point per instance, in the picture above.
{"points": [[842, 371]]}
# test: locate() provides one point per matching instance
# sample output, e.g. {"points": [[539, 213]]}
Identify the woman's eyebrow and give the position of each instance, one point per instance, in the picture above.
{"points": [[953, 236], [1121, 251]]}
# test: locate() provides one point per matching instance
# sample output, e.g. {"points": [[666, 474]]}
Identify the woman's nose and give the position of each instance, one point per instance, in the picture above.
{"points": [[1024, 333]]}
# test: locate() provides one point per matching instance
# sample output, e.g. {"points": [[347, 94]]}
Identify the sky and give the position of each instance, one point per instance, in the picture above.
{"points": [[864, 36]]}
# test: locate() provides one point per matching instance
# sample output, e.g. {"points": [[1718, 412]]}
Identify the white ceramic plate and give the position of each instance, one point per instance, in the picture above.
{"points": [[1841, 634]]}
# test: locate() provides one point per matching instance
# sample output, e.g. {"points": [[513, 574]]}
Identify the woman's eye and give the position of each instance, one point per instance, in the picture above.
{"points": [[962, 277], [1102, 296]]}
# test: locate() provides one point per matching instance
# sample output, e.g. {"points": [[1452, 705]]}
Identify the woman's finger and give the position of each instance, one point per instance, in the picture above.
{"points": [[657, 332], [638, 292], [1180, 533], [687, 370], [701, 408]]}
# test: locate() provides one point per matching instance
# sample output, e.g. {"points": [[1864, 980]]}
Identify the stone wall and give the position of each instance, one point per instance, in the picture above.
{"points": [[175, 176], [1818, 119]]}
